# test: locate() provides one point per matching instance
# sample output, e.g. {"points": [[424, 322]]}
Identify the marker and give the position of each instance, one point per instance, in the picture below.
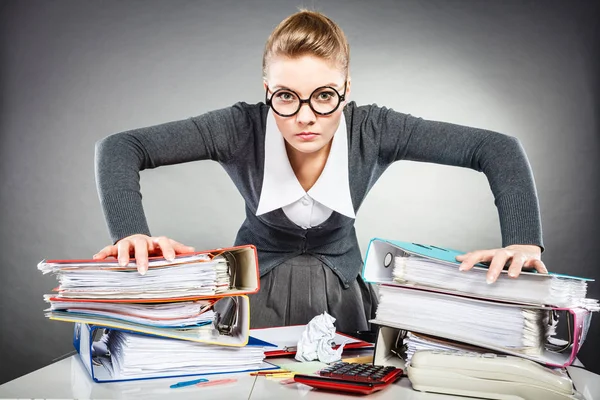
{"points": [[216, 382]]}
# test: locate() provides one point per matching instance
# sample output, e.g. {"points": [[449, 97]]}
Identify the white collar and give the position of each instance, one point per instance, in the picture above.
{"points": [[281, 187]]}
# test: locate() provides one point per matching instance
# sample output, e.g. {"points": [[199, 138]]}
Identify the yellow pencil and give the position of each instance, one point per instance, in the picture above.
{"points": [[269, 371], [281, 375]]}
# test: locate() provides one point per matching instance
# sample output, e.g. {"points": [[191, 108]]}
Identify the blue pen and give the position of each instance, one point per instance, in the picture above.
{"points": [[188, 383]]}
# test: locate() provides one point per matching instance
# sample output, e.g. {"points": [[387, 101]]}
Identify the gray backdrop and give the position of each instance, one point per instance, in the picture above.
{"points": [[73, 72]]}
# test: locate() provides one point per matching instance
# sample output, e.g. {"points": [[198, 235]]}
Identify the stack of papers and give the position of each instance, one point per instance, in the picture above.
{"points": [[165, 323], [171, 299], [541, 317], [185, 277], [160, 315], [414, 342], [530, 288], [134, 356], [517, 328]]}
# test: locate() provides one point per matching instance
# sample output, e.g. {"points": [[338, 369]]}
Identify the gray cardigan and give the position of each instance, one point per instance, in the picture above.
{"points": [[377, 136]]}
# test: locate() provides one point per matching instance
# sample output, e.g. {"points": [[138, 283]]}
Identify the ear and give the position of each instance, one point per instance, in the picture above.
{"points": [[265, 85], [348, 90]]}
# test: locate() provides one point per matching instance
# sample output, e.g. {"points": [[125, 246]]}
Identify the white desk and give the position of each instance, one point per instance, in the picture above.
{"points": [[67, 379]]}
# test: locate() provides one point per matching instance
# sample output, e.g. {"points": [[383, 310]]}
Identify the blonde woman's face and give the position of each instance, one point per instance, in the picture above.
{"points": [[306, 131]]}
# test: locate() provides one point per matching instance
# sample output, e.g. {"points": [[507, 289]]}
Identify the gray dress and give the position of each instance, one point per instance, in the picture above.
{"points": [[301, 288]]}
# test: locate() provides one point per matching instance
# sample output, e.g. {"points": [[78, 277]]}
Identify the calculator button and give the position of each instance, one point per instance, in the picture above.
{"points": [[359, 372]]}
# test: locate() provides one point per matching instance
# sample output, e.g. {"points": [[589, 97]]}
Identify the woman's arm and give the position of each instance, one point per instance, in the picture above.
{"points": [[120, 157], [500, 157]]}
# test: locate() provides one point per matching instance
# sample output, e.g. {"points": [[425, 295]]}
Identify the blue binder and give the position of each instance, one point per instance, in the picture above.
{"points": [[83, 338], [376, 268]]}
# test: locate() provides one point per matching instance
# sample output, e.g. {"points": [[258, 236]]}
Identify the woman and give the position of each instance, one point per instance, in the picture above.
{"points": [[304, 162]]}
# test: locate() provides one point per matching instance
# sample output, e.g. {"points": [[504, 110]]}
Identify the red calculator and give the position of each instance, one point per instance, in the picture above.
{"points": [[352, 377]]}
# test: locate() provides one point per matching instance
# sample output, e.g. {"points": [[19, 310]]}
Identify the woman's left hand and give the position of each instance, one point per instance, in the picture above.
{"points": [[519, 255]]}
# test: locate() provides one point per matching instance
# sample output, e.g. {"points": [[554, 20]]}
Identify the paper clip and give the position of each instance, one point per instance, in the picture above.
{"points": [[188, 383], [216, 382]]}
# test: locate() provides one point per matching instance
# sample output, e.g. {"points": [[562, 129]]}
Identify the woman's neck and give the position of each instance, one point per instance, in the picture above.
{"points": [[307, 166]]}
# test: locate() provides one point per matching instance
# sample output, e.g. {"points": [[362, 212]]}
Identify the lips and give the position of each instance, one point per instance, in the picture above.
{"points": [[307, 135]]}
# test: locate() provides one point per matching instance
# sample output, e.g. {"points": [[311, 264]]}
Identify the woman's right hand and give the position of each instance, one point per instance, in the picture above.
{"points": [[142, 246]]}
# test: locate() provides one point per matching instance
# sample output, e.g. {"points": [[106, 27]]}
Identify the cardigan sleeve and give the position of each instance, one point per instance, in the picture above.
{"points": [[120, 157], [500, 157]]}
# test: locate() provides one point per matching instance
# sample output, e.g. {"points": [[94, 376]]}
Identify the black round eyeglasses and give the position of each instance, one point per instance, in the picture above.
{"points": [[323, 100]]}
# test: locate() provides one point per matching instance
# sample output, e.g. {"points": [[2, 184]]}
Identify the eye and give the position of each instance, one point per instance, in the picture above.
{"points": [[325, 96], [284, 96]]}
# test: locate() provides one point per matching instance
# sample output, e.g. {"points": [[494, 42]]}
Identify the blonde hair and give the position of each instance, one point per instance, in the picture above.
{"points": [[308, 33]]}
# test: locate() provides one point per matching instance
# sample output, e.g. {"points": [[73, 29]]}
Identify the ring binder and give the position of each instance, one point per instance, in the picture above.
{"points": [[101, 296], [435, 268], [429, 274]]}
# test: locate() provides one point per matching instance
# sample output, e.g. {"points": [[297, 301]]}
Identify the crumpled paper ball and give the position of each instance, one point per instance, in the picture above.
{"points": [[317, 341]]}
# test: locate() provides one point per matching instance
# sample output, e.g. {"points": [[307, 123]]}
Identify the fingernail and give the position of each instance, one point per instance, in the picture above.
{"points": [[490, 280], [143, 270], [512, 274], [170, 257], [462, 267], [122, 262], [95, 256], [192, 248]]}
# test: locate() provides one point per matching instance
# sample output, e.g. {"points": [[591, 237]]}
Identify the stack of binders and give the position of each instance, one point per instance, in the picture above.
{"points": [[426, 303], [183, 317]]}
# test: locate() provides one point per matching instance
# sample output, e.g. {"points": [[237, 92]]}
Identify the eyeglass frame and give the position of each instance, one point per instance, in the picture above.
{"points": [[341, 98]]}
